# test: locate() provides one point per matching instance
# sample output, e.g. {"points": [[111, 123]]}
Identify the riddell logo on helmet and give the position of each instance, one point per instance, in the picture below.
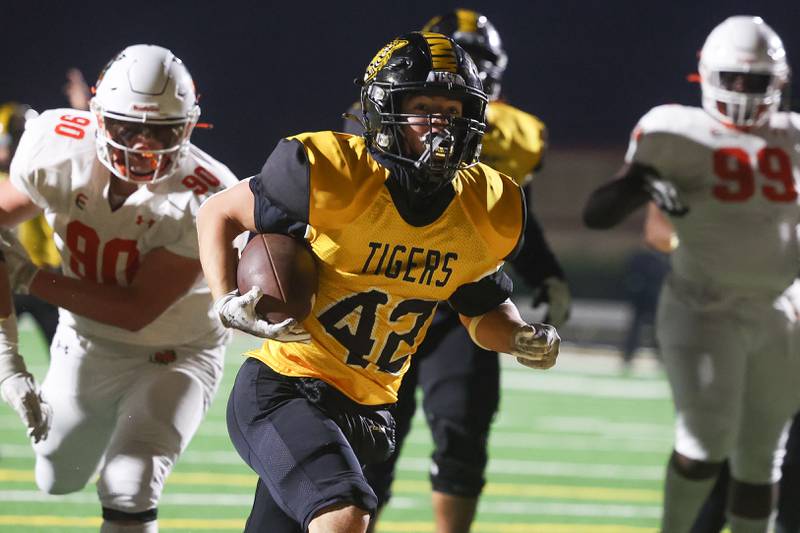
{"points": [[145, 108]]}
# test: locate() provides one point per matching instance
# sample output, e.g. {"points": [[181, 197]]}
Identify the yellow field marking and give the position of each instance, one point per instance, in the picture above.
{"points": [[385, 526], [7, 474], [75, 521], [527, 490], [499, 527], [39, 520]]}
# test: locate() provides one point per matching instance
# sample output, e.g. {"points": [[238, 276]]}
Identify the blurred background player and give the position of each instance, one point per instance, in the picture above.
{"points": [[77, 90], [35, 234], [727, 316], [461, 381], [644, 274], [411, 184], [138, 352]]}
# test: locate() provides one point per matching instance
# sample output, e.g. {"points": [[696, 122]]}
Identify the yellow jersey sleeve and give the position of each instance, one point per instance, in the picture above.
{"points": [[36, 237], [514, 142]]}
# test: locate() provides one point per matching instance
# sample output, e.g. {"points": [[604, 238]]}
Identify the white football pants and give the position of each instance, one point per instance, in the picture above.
{"points": [[126, 409], [733, 363]]}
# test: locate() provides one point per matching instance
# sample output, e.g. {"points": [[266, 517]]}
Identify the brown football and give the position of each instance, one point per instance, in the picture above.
{"points": [[285, 269]]}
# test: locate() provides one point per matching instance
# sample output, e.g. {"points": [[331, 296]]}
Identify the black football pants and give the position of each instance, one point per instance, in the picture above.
{"points": [[461, 391]]}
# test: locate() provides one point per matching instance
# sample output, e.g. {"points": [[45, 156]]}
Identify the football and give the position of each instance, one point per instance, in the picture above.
{"points": [[285, 270]]}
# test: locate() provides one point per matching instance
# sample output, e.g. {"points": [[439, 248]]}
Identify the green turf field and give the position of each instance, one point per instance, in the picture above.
{"points": [[576, 449]]}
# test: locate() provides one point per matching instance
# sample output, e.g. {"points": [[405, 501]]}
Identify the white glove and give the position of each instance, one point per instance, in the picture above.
{"points": [[536, 345], [21, 270], [240, 312], [665, 196], [21, 393], [555, 293]]}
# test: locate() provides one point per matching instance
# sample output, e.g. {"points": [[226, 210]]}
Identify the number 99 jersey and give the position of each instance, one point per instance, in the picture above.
{"points": [[57, 167], [741, 189], [382, 269]]}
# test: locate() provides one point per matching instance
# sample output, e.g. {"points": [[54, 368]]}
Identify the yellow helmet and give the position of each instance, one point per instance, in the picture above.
{"points": [[12, 123]]}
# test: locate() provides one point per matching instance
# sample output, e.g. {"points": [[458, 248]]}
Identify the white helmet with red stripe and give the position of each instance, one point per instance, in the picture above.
{"points": [[743, 71], [146, 108]]}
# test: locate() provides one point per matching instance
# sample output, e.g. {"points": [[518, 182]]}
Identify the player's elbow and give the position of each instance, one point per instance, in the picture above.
{"points": [[596, 218]]}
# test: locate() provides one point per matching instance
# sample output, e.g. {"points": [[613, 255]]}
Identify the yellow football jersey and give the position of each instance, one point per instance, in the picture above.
{"points": [[381, 275], [36, 236], [514, 142]]}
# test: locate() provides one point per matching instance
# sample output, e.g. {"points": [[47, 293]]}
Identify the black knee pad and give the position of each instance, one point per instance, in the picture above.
{"points": [[115, 515], [694, 469], [459, 459]]}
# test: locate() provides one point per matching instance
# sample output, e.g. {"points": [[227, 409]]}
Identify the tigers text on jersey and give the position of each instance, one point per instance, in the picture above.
{"points": [[741, 189], [514, 141], [380, 276], [57, 167]]}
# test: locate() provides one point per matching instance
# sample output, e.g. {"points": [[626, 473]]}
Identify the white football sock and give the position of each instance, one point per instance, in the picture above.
{"points": [[737, 524], [130, 527], [683, 499]]}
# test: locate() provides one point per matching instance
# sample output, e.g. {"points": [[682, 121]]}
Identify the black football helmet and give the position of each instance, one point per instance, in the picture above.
{"points": [[431, 64], [474, 33]]}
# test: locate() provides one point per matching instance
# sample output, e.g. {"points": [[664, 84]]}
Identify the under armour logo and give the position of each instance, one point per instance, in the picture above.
{"points": [[164, 358], [140, 221], [80, 200]]}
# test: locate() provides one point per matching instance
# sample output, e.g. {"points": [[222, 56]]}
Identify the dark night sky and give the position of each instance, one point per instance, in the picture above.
{"points": [[588, 68]]}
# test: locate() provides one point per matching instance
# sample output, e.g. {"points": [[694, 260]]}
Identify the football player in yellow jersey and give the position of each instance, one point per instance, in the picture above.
{"points": [[449, 368], [398, 220], [36, 235]]}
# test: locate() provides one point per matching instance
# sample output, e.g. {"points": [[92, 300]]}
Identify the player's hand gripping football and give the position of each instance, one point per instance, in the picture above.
{"points": [[21, 269], [536, 345], [239, 312], [22, 394], [665, 196]]}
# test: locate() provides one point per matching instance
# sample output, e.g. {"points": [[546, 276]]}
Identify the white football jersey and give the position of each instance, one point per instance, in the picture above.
{"points": [[57, 167], [741, 188]]}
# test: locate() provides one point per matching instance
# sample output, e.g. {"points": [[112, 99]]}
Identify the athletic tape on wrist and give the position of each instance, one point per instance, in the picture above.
{"points": [[473, 329]]}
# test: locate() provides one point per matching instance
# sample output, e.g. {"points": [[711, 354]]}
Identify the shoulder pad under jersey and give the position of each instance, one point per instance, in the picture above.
{"points": [[514, 142], [343, 176], [496, 206]]}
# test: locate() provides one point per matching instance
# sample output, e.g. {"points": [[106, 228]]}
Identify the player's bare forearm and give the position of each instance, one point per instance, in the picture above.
{"points": [[615, 201], [220, 219], [162, 278], [15, 206], [495, 330], [659, 234]]}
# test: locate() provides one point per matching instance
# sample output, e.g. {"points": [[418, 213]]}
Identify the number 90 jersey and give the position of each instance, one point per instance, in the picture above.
{"points": [[57, 167], [741, 231], [382, 270]]}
